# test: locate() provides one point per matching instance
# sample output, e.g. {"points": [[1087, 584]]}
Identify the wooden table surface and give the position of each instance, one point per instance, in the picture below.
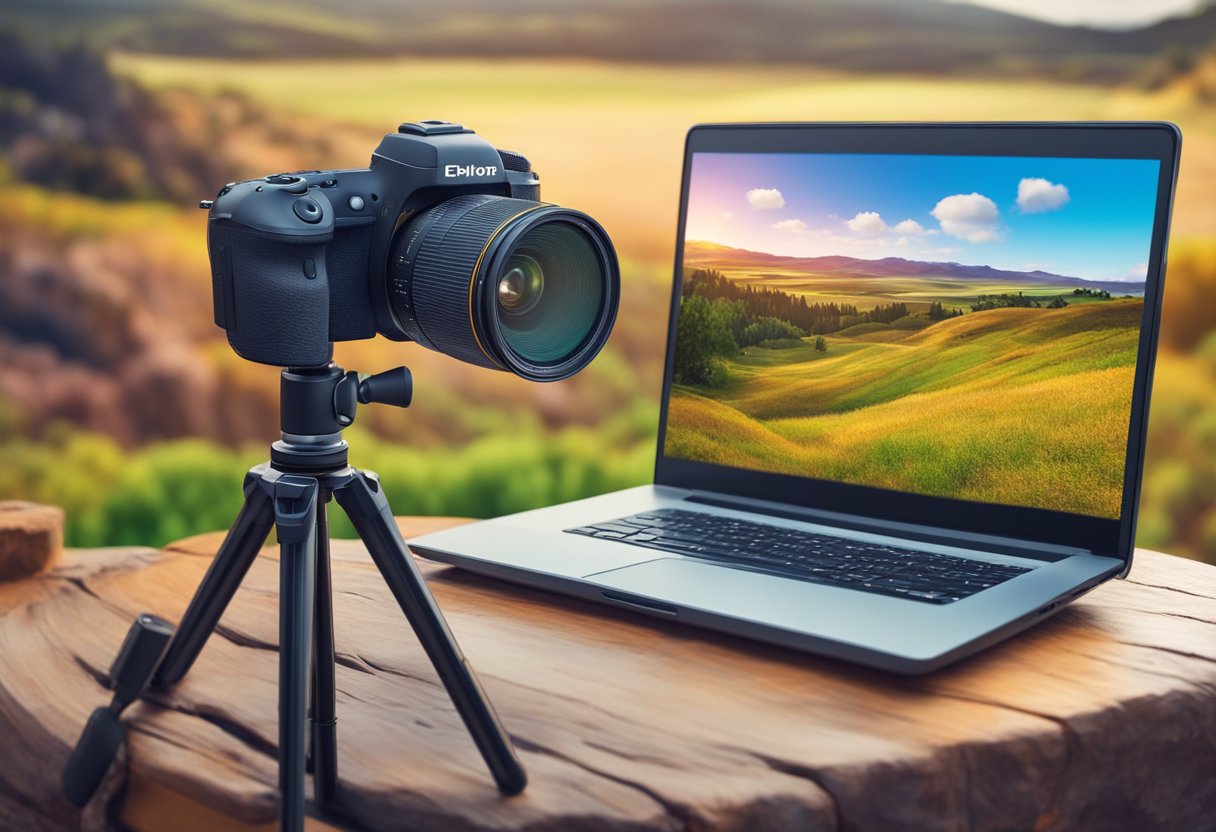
{"points": [[1101, 718]]}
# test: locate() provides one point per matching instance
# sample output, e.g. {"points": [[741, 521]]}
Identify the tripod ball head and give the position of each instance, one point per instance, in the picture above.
{"points": [[321, 401]]}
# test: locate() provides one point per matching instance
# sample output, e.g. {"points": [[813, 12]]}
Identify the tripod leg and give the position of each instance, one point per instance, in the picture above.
{"points": [[295, 517], [324, 686], [372, 517], [232, 562]]}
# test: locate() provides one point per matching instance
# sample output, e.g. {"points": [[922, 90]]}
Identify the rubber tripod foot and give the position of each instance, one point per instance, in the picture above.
{"points": [[95, 750]]}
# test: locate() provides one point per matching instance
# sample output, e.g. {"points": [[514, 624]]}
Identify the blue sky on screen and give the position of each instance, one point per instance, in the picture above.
{"points": [[1088, 218]]}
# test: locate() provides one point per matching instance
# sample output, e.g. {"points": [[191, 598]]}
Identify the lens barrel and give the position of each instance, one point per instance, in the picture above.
{"points": [[506, 283]]}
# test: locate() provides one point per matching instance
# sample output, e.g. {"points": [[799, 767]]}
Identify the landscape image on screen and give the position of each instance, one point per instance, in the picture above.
{"points": [[955, 326]]}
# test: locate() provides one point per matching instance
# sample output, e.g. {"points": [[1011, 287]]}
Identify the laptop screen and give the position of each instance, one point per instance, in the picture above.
{"points": [[963, 327]]}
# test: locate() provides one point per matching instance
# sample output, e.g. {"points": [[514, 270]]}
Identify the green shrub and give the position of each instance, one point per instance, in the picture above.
{"points": [[170, 490], [703, 334], [768, 329]]}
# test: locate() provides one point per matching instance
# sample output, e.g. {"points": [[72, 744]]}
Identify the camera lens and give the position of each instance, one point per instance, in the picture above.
{"points": [[506, 283], [541, 323]]}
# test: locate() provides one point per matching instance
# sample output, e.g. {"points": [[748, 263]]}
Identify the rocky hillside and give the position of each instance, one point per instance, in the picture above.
{"points": [[67, 123], [105, 308]]}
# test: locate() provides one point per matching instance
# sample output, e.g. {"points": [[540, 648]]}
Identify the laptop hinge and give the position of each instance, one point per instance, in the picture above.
{"points": [[927, 534]]}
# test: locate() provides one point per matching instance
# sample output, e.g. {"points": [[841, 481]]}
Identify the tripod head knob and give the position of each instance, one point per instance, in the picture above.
{"points": [[395, 387]]}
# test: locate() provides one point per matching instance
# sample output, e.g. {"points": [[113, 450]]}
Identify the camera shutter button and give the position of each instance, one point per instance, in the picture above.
{"points": [[307, 209]]}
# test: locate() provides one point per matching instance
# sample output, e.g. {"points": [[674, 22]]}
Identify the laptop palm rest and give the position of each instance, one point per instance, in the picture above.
{"points": [[689, 585]]}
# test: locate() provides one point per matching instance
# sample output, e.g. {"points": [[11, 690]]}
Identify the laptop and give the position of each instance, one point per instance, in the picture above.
{"points": [[907, 381]]}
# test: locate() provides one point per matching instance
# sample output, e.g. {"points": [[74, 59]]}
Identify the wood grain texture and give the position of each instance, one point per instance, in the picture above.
{"points": [[1101, 718]]}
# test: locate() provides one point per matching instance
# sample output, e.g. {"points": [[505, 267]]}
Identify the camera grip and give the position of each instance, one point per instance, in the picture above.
{"points": [[272, 295]]}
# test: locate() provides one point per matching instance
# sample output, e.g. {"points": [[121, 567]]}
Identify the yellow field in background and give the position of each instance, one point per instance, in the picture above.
{"points": [[608, 138]]}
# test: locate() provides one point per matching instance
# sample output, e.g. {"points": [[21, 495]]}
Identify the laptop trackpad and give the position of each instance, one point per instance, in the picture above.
{"points": [[742, 593]]}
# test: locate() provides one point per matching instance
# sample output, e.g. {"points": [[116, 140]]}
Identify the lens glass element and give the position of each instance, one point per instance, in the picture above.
{"points": [[550, 292], [520, 286]]}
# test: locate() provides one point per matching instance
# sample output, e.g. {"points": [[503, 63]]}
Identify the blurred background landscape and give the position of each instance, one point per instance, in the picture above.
{"points": [[121, 401]]}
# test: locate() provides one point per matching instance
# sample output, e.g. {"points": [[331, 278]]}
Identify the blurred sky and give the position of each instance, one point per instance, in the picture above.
{"points": [[1106, 13]]}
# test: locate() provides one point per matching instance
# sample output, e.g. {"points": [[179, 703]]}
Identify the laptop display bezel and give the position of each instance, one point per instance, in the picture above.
{"points": [[1134, 140]]}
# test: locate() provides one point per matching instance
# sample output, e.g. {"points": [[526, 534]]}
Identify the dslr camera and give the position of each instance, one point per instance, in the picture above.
{"points": [[442, 240]]}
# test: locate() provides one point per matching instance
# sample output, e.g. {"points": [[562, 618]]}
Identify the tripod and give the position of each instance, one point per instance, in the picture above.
{"points": [[307, 468]]}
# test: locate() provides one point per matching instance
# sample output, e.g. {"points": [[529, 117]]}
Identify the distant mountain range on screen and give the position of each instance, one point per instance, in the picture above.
{"points": [[698, 254]]}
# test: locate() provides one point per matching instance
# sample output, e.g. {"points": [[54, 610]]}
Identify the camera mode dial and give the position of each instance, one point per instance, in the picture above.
{"points": [[289, 182]]}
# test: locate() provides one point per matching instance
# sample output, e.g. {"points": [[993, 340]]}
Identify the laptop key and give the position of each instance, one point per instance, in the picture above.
{"points": [[622, 528], [681, 545], [880, 568]]}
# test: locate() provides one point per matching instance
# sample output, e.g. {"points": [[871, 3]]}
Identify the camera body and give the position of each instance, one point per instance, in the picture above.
{"points": [[302, 260]]}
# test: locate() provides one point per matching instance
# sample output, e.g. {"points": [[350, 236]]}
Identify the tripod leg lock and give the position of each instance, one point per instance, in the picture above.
{"points": [[138, 658], [295, 508]]}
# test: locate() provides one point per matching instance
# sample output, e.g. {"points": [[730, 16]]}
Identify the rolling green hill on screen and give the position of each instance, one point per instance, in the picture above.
{"points": [[1018, 406]]}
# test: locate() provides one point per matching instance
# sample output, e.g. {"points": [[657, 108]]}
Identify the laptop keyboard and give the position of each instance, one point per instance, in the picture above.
{"points": [[819, 558]]}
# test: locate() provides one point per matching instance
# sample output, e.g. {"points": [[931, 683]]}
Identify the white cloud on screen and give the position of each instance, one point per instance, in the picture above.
{"points": [[972, 217], [872, 223], [765, 199], [867, 222], [909, 228], [1036, 195], [794, 225]]}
